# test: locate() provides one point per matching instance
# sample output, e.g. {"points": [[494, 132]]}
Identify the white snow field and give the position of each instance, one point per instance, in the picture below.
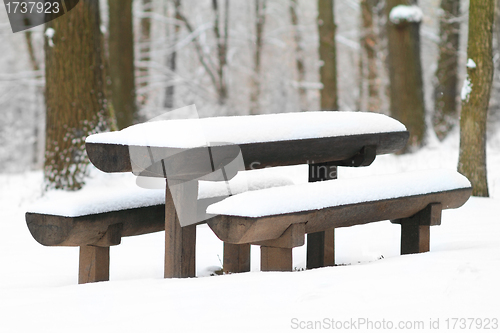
{"points": [[456, 284]]}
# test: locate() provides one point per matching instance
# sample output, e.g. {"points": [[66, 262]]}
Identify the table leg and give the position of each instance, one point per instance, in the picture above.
{"points": [[180, 242], [320, 245]]}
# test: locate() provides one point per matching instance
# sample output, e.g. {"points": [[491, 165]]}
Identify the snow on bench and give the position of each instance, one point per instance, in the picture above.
{"points": [[191, 133], [278, 218], [96, 217]]}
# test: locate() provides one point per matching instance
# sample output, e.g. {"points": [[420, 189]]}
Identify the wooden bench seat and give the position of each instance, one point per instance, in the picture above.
{"points": [[278, 218], [97, 220]]}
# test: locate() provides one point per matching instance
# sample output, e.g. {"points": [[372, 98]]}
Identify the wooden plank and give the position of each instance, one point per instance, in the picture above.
{"points": [[329, 244], [275, 259], [316, 249], [94, 264], [236, 258], [250, 230], [52, 230], [180, 242], [116, 158]]}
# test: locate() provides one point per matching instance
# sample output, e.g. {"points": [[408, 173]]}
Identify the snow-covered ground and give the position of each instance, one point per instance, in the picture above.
{"points": [[375, 287]]}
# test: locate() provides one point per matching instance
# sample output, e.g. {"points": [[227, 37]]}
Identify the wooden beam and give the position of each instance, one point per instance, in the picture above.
{"points": [[236, 258], [94, 264], [180, 242], [275, 259], [316, 247], [415, 230]]}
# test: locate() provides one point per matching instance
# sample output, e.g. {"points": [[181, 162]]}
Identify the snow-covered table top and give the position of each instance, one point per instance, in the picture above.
{"points": [[263, 140], [191, 133]]}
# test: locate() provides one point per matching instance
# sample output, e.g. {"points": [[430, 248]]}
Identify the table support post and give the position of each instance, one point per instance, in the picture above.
{"points": [[180, 242], [94, 264], [236, 258], [320, 245]]}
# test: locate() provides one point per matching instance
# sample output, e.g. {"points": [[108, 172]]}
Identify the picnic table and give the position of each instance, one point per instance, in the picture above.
{"points": [[185, 151]]}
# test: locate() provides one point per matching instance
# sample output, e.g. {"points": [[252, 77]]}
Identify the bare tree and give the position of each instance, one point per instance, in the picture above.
{"points": [[405, 68], [255, 87], [476, 95], [299, 55], [144, 49], [121, 62], [75, 100], [445, 91], [216, 70], [368, 57], [327, 55]]}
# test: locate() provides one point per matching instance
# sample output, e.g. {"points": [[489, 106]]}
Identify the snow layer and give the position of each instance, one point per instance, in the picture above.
{"points": [[114, 193], [318, 195], [457, 278], [471, 63], [466, 89], [406, 13], [189, 133]]}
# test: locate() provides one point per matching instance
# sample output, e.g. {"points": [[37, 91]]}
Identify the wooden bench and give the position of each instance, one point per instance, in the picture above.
{"points": [[94, 223], [278, 219]]}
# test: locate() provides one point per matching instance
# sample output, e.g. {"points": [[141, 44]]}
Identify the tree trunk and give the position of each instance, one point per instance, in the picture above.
{"points": [[172, 37], [221, 31], [327, 55], [145, 49], [121, 62], [445, 91], [37, 155], [75, 100], [299, 55], [472, 160], [405, 73], [368, 58], [260, 20]]}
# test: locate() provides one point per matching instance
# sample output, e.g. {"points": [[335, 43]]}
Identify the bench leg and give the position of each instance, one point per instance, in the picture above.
{"points": [[180, 242], [94, 264], [236, 258], [320, 247], [414, 238], [415, 230], [275, 259]]}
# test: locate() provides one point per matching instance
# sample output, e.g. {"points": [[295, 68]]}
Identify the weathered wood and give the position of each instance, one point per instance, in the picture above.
{"points": [[180, 242], [275, 259], [415, 230], [316, 246], [329, 244], [236, 258], [94, 264], [116, 158], [292, 237], [238, 229], [53, 230]]}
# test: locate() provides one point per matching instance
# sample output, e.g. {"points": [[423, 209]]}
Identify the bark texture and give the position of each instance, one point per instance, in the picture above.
{"points": [[299, 55], [405, 74], [327, 55], [121, 62], [445, 91], [255, 86], [368, 58], [472, 159], [76, 105]]}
